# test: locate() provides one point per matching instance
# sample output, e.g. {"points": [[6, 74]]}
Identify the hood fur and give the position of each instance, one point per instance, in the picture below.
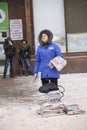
{"points": [[48, 32]]}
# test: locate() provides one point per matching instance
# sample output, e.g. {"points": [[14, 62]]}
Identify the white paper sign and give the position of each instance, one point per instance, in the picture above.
{"points": [[16, 30]]}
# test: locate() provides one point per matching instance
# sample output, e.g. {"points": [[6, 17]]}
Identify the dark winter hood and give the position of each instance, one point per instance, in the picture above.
{"points": [[49, 33]]}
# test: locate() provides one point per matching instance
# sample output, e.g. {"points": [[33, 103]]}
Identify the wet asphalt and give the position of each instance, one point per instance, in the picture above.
{"points": [[16, 90]]}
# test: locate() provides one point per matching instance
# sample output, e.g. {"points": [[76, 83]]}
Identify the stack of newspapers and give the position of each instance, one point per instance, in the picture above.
{"points": [[58, 62], [50, 104]]}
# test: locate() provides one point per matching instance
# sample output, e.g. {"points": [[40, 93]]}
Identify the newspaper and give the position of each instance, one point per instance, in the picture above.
{"points": [[73, 109], [58, 62], [51, 109]]}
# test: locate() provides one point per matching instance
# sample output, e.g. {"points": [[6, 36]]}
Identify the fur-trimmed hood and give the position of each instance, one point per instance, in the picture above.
{"points": [[48, 32]]}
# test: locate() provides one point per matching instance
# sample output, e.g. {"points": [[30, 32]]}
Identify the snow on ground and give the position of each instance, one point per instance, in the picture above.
{"points": [[23, 116]]}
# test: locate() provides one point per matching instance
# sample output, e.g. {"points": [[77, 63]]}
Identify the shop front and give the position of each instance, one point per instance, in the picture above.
{"points": [[67, 20]]}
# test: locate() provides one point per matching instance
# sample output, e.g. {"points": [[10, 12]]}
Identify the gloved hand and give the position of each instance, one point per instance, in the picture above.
{"points": [[35, 75]]}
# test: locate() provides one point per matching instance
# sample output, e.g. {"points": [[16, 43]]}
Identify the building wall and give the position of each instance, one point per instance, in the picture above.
{"points": [[21, 9], [75, 22]]}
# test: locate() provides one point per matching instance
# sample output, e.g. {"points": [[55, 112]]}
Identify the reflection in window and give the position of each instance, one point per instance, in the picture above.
{"points": [[2, 55], [60, 40], [77, 42]]}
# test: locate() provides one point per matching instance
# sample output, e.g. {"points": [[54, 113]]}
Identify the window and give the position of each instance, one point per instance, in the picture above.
{"points": [[76, 25], [50, 15]]}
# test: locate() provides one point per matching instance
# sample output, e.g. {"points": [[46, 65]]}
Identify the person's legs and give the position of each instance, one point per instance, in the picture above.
{"points": [[6, 67], [27, 61], [28, 66], [11, 67], [23, 66], [44, 81], [54, 80]]}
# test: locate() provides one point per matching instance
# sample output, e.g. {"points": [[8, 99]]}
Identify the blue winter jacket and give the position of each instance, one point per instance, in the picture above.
{"points": [[43, 56]]}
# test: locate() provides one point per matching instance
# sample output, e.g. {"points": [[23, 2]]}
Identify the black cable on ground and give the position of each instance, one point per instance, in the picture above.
{"points": [[61, 91]]}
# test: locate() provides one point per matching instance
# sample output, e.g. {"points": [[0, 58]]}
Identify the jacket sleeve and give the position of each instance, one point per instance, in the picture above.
{"points": [[6, 46], [58, 51], [37, 62], [29, 51]]}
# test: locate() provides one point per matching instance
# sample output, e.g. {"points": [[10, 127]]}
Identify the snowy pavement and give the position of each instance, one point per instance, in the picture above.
{"points": [[18, 105]]}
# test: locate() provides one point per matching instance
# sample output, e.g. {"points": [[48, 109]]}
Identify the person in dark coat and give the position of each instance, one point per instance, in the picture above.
{"points": [[10, 52], [46, 51], [25, 55]]}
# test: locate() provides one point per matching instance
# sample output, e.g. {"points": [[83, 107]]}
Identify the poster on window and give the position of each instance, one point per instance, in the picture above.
{"points": [[16, 31], [2, 55]]}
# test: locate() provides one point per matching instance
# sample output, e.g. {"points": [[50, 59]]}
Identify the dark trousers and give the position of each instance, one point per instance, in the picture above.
{"points": [[26, 65], [7, 62], [49, 80]]}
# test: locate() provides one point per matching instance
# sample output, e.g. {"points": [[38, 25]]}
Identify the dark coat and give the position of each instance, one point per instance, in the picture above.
{"points": [[10, 50], [25, 52]]}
